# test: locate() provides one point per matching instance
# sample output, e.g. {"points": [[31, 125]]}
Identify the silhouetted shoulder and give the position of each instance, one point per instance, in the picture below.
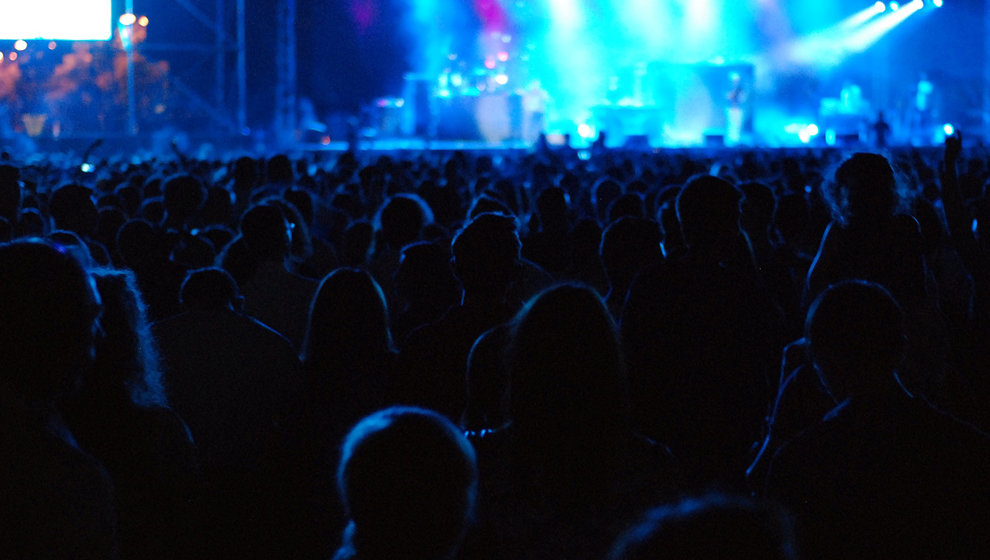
{"points": [[56, 499]]}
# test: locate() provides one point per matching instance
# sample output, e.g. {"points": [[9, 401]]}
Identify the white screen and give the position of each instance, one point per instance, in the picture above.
{"points": [[73, 20]]}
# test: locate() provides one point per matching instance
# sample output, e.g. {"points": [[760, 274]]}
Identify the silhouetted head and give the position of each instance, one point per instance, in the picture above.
{"points": [[218, 208], [31, 224], [300, 240], [708, 210], [856, 335], [303, 202], [348, 320], [401, 219], [265, 232], [152, 209], [72, 207], [137, 242], [126, 358], [864, 189], [567, 373], [183, 197], [210, 288], [629, 204], [109, 224], [424, 272], [485, 203], [408, 480], [129, 196], [603, 193], [711, 527], [48, 319], [486, 253], [757, 207], [552, 205], [358, 239], [245, 173], [629, 245], [278, 169]]}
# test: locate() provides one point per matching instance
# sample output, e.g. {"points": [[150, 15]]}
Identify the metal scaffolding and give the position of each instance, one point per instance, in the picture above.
{"points": [[285, 67], [226, 39], [986, 70]]}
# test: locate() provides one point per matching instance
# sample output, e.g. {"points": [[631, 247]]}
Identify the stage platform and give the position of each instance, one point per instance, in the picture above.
{"points": [[97, 147]]}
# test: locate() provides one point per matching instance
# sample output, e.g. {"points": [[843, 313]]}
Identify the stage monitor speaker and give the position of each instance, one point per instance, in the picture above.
{"points": [[850, 139], [637, 142], [714, 140]]}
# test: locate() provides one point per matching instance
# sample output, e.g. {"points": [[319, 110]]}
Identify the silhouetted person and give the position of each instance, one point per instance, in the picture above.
{"points": [[881, 130], [628, 246], [567, 473], [183, 197], [244, 177], [399, 221], [425, 287], [356, 244], [238, 386], [871, 239], [883, 474], [257, 259], [72, 208], [143, 250], [603, 193], [757, 209], [713, 526], [549, 243], [408, 481], [278, 176], [431, 366], [57, 500], [703, 340], [868, 238], [121, 416], [347, 355]]}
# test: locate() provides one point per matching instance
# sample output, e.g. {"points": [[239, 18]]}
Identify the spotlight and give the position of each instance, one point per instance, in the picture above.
{"points": [[127, 19], [880, 7], [143, 21], [894, 6], [937, 3], [20, 45], [808, 132], [949, 129]]}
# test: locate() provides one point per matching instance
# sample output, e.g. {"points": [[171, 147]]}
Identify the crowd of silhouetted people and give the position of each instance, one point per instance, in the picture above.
{"points": [[537, 354]]}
